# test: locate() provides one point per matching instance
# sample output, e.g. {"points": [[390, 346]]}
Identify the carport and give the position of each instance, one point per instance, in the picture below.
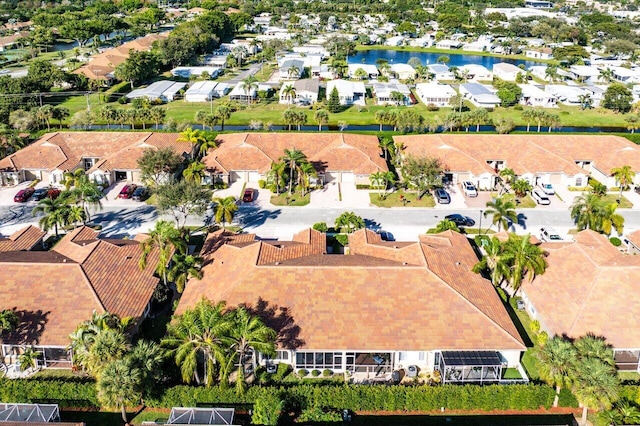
{"points": [[469, 366]]}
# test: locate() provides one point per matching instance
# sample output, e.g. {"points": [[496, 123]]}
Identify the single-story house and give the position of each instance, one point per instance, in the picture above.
{"points": [[545, 53], [393, 321], [449, 44], [221, 89], [187, 72], [243, 94], [164, 90], [403, 71], [436, 94], [306, 92], [580, 293], [626, 75], [54, 291], [350, 92], [585, 73], [217, 62], [476, 72], [291, 69], [107, 157], [441, 72], [540, 71], [370, 71], [507, 72], [536, 97], [337, 157], [10, 41], [570, 95], [563, 160], [200, 91], [479, 95], [395, 41], [383, 92]]}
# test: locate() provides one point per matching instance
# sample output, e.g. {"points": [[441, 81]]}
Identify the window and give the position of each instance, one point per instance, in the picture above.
{"points": [[282, 355], [402, 356], [421, 356]]}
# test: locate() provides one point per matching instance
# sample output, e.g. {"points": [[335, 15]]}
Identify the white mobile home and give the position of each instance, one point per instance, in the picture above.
{"points": [[201, 91], [536, 97], [435, 94], [160, 90], [479, 95]]}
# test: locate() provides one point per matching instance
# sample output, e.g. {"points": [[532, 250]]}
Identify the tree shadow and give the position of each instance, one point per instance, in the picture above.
{"points": [[372, 225], [30, 328], [278, 318], [254, 216], [118, 222], [522, 220]]}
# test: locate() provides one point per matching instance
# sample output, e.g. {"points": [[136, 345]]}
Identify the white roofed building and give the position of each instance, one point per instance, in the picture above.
{"points": [[385, 93], [164, 90], [536, 97], [350, 92], [371, 71], [435, 94], [479, 95]]}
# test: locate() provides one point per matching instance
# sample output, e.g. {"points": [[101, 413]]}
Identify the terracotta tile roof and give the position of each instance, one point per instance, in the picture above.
{"points": [[634, 238], [530, 153], [580, 292], [326, 151], [65, 150], [63, 286], [23, 239], [370, 300]]}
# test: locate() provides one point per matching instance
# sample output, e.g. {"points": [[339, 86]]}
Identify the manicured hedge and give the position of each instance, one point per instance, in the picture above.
{"points": [[61, 392]]}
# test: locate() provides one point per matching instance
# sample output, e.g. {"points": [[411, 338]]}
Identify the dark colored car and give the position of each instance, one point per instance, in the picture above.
{"points": [[127, 191], [442, 196], [140, 194], [41, 193], [23, 195], [637, 189], [249, 195], [460, 220]]}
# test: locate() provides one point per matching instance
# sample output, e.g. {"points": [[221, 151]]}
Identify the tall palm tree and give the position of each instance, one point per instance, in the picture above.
{"points": [[502, 212], [496, 260], [185, 266], [225, 209], [223, 112], [307, 171], [321, 117], [9, 320], [278, 174], [592, 346], [596, 385], [199, 333], [194, 137], [148, 358], [248, 334], [73, 178], [248, 85], [557, 359], [586, 211], [108, 346], [624, 176], [194, 172], [528, 260], [610, 220], [293, 158], [55, 212], [119, 386], [209, 142], [75, 215], [86, 193], [165, 238], [529, 115], [377, 181], [289, 92]]}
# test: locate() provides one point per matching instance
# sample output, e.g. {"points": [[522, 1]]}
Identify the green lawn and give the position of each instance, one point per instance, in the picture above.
{"points": [[511, 373], [295, 200], [525, 202], [393, 200], [529, 360], [624, 202]]}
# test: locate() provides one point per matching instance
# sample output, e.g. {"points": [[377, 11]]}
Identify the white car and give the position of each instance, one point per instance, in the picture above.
{"points": [[540, 197], [547, 188], [469, 189]]}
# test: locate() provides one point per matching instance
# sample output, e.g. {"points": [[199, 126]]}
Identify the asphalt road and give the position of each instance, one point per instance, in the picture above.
{"points": [[283, 222]]}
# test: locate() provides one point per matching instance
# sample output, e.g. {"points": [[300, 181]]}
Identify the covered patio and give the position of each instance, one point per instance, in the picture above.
{"points": [[469, 366], [36, 413]]}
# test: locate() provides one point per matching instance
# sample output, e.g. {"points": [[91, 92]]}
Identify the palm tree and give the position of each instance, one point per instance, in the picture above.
{"points": [[157, 115], [223, 112], [293, 71], [521, 187], [527, 259], [28, 359], [595, 385], [55, 212], [557, 358], [502, 212], [377, 181], [119, 386], [293, 158], [447, 225], [592, 346], [496, 260], [185, 266], [199, 333], [348, 222], [586, 211], [201, 117], [248, 334], [209, 142], [307, 171], [194, 137], [73, 178], [87, 194], [624, 176], [278, 174], [529, 115], [194, 172], [606, 75], [225, 209], [248, 85], [75, 215], [148, 358], [610, 220], [9, 320], [289, 92], [322, 117], [108, 346], [167, 240], [551, 72]]}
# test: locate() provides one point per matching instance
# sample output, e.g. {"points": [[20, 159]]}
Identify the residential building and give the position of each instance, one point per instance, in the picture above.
{"points": [[291, 69], [200, 91], [395, 41], [580, 293], [389, 290], [54, 291], [539, 53], [337, 157], [479, 95], [164, 91], [449, 44], [350, 92], [569, 95], [507, 72], [435, 94], [243, 94], [585, 73], [187, 72], [106, 157], [441, 72], [563, 160], [384, 93], [306, 92], [626, 75], [403, 71], [10, 41], [475, 72], [370, 71], [25, 239], [536, 97]]}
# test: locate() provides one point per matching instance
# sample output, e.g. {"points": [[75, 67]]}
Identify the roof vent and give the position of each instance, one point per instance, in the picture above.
{"points": [[277, 263], [458, 263], [64, 260], [404, 263], [129, 257]]}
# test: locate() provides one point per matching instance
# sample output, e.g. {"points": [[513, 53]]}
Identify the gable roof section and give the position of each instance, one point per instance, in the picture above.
{"points": [[369, 300], [23, 239], [327, 152], [579, 293]]}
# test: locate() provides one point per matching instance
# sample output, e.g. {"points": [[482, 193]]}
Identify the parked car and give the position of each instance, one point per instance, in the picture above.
{"points": [[249, 195], [23, 195], [127, 191], [140, 194], [442, 196], [460, 220], [386, 236], [40, 193], [469, 189], [547, 188], [549, 234], [540, 197]]}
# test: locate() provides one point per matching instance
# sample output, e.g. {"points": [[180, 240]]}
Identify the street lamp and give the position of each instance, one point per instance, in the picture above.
{"points": [[480, 223]]}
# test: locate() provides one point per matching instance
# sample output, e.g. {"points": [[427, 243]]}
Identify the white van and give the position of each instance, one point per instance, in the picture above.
{"points": [[540, 197]]}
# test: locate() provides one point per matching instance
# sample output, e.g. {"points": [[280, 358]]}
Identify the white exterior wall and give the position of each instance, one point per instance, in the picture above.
{"points": [[512, 357]]}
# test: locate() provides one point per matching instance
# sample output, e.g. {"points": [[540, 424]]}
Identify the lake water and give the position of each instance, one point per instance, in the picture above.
{"points": [[427, 58]]}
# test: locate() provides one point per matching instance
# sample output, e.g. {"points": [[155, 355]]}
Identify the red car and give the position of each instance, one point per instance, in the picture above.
{"points": [[23, 195], [127, 191], [249, 195]]}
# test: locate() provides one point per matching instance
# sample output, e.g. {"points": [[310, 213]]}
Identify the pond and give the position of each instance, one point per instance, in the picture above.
{"points": [[429, 58]]}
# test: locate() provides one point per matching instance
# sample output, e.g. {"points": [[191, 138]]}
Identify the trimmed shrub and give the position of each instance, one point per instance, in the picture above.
{"points": [[317, 414], [262, 184], [315, 373], [283, 371], [267, 409], [65, 393], [615, 241], [320, 226], [432, 107], [535, 326], [302, 372], [327, 373]]}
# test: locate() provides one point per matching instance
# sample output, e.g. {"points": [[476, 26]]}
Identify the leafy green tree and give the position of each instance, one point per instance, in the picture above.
{"points": [[422, 173], [557, 360], [158, 165], [166, 239], [225, 209], [184, 198], [139, 66], [349, 222], [521, 187], [119, 386], [624, 176], [528, 260], [617, 98], [28, 359], [502, 212], [9, 320], [496, 260], [447, 225], [333, 104]]}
